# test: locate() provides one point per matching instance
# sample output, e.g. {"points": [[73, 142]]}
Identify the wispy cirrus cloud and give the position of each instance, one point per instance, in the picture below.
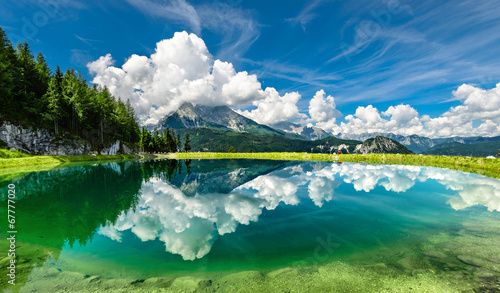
{"points": [[87, 41], [306, 15], [176, 10], [236, 27], [414, 53]]}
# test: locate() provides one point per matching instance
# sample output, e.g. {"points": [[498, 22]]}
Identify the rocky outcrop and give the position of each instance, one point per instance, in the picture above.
{"points": [[112, 150], [118, 148], [40, 142]]}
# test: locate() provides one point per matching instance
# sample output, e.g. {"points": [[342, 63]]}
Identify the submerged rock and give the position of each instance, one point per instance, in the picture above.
{"points": [[435, 254], [280, 272], [479, 262], [495, 259], [252, 281], [472, 260], [189, 284], [408, 263], [377, 266], [486, 274]]}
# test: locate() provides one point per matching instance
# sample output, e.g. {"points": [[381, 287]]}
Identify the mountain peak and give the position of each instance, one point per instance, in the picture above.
{"points": [[187, 110], [380, 145], [220, 118]]}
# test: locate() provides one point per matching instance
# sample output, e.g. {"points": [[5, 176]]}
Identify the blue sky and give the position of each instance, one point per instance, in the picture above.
{"points": [[382, 53]]}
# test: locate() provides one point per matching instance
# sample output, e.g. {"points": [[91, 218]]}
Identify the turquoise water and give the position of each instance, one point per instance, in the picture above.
{"points": [[138, 220]]}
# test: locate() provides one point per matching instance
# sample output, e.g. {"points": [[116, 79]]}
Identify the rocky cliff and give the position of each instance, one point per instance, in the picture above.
{"points": [[41, 142]]}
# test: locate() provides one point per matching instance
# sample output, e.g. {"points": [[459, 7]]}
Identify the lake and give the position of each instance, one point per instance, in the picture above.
{"points": [[253, 226]]}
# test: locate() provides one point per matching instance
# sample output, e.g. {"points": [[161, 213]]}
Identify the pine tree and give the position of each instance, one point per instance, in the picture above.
{"points": [[145, 140], [8, 65], [53, 98], [178, 143], [43, 75], [27, 82], [187, 143], [103, 105], [170, 141], [41, 86], [141, 139], [132, 124], [157, 141], [74, 94]]}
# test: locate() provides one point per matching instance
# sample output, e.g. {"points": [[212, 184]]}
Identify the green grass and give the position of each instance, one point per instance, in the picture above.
{"points": [[483, 166], [18, 162], [56, 160], [12, 167], [6, 154]]}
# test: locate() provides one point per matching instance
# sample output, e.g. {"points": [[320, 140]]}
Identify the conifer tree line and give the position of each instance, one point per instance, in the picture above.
{"points": [[64, 103], [167, 141], [32, 95]]}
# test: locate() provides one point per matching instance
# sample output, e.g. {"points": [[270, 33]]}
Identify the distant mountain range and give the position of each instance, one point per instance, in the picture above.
{"points": [[478, 149], [312, 133], [209, 140], [415, 143], [218, 128], [458, 146]]}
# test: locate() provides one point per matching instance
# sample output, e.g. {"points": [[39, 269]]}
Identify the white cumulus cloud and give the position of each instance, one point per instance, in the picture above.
{"points": [[477, 105], [274, 108], [323, 112], [181, 70]]}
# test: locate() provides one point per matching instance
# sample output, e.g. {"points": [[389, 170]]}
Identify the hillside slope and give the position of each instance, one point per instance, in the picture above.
{"points": [[382, 145], [482, 149], [422, 144], [209, 140]]}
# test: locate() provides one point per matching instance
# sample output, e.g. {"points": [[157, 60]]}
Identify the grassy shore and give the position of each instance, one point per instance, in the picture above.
{"points": [[483, 166], [57, 160], [14, 164]]}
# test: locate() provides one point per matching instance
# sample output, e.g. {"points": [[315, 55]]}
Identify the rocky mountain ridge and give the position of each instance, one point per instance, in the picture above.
{"points": [[220, 118], [312, 133], [422, 144]]}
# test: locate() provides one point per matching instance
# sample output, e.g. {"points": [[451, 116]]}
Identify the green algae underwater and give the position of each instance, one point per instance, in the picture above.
{"points": [[253, 226]]}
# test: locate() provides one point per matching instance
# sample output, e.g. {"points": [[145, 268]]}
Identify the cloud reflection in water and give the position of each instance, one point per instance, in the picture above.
{"points": [[188, 225]]}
